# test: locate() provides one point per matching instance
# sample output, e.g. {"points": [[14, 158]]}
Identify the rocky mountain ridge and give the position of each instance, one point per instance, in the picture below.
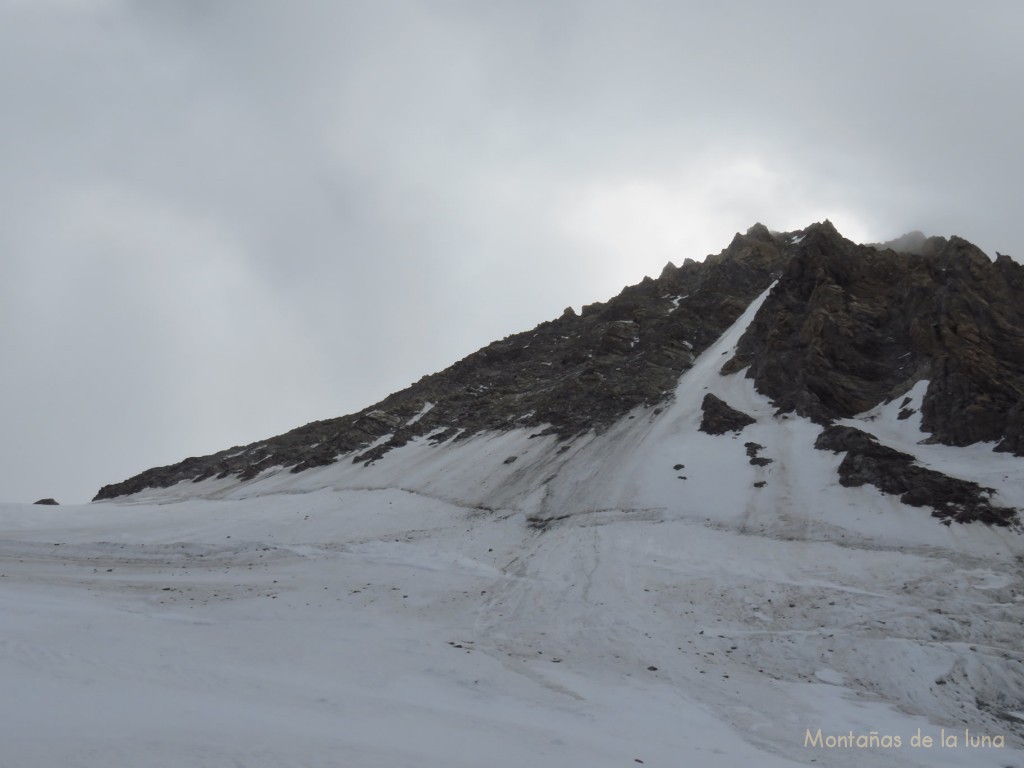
{"points": [[566, 376], [850, 326], [844, 328]]}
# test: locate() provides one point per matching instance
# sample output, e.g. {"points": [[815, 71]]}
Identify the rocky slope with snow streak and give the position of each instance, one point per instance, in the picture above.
{"points": [[845, 328]]}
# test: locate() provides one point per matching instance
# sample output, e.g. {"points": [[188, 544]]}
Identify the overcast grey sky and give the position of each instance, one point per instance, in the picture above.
{"points": [[221, 220]]}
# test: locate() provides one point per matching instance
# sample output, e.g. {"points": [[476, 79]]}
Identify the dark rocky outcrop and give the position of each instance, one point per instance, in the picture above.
{"points": [[851, 326], [891, 471], [48, 502], [719, 417]]}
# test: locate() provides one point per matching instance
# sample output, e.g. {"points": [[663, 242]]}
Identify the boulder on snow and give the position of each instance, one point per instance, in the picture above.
{"points": [[719, 417]]}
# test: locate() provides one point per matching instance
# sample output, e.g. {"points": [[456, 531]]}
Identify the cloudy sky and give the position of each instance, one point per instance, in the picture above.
{"points": [[221, 220]]}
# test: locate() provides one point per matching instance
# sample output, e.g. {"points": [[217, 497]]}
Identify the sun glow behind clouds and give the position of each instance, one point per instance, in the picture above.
{"points": [[650, 220]]}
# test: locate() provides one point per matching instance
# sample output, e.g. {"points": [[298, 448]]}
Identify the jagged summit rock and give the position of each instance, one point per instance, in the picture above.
{"points": [[844, 328], [759, 231], [850, 326]]}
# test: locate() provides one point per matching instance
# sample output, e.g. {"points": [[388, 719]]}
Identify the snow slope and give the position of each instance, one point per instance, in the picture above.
{"points": [[585, 604]]}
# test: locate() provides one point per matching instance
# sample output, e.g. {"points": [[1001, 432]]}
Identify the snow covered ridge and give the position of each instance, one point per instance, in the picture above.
{"points": [[646, 594]]}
